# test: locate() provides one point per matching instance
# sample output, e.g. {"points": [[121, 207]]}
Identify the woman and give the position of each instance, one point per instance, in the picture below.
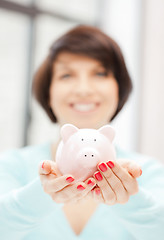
{"points": [[83, 81]]}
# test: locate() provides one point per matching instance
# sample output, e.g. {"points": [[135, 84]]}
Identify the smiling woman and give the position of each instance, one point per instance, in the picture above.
{"points": [[83, 81], [94, 47]]}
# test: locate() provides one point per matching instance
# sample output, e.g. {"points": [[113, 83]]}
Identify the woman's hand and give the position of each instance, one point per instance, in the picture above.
{"points": [[62, 188], [116, 181]]}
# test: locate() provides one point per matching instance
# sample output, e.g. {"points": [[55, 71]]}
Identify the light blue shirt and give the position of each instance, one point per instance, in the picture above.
{"points": [[28, 213]]}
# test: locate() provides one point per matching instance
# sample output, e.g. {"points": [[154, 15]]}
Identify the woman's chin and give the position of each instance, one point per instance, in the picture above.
{"points": [[87, 124]]}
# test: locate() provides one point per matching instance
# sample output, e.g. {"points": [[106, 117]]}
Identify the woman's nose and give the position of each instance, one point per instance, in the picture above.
{"points": [[84, 87]]}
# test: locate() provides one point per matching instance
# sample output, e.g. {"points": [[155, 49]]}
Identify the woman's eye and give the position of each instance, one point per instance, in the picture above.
{"points": [[101, 74], [65, 76]]}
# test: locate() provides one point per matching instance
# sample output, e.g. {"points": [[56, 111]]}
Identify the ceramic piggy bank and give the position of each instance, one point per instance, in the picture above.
{"points": [[81, 150]]}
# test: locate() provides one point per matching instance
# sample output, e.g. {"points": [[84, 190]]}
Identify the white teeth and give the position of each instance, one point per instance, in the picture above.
{"points": [[84, 107]]}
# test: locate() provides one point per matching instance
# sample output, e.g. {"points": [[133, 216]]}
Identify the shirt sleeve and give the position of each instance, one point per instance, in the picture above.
{"points": [[143, 215], [22, 206]]}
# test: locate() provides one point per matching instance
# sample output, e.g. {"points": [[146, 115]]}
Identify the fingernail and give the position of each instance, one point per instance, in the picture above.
{"points": [[103, 167], [110, 164], [140, 172], [80, 187], [90, 183], [97, 191], [70, 179], [43, 165], [98, 176]]}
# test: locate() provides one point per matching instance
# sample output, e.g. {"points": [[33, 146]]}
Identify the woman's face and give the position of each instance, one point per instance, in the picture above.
{"points": [[81, 91]]}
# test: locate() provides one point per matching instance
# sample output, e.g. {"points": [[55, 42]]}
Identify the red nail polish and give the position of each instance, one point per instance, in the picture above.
{"points": [[110, 164], [97, 191], [90, 183], [80, 187], [70, 179], [43, 165], [103, 167], [98, 176]]}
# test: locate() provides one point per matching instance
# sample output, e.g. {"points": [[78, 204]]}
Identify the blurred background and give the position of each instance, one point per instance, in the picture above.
{"points": [[27, 29]]}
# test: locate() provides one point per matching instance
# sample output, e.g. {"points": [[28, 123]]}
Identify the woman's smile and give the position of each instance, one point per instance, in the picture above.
{"points": [[84, 107]]}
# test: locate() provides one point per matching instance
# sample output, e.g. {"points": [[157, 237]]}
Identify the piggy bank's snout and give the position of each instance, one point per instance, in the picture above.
{"points": [[89, 156]]}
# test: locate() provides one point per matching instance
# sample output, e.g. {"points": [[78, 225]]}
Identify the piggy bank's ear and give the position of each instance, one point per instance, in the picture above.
{"points": [[67, 130], [108, 131]]}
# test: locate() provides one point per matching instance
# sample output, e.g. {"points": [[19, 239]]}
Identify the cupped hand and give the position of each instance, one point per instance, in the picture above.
{"points": [[116, 181], [62, 188]]}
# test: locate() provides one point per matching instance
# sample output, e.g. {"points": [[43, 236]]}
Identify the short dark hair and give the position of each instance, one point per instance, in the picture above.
{"points": [[89, 41]]}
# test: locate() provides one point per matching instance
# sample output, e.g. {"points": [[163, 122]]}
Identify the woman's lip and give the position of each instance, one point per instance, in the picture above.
{"points": [[84, 107]]}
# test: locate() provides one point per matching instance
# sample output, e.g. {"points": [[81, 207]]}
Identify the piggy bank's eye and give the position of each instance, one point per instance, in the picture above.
{"points": [[82, 139], [95, 140]]}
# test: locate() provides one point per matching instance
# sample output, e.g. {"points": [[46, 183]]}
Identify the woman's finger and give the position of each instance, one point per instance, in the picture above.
{"points": [[129, 182], [131, 166], [106, 190], [72, 191], [114, 182], [59, 183], [77, 190], [44, 167], [48, 167], [97, 195]]}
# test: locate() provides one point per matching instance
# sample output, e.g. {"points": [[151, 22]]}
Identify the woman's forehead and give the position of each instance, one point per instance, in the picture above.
{"points": [[69, 59]]}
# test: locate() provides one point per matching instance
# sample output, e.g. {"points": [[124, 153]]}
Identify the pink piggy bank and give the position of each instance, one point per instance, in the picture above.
{"points": [[81, 150]]}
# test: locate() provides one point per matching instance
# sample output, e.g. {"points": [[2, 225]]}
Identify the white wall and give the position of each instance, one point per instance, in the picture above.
{"points": [[152, 114], [122, 21]]}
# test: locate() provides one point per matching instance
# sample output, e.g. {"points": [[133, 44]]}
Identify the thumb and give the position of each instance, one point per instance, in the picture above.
{"points": [[132, 167], [45, 167]]}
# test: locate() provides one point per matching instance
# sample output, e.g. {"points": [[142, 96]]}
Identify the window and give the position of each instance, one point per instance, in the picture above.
{"points": [[27, 28]]}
